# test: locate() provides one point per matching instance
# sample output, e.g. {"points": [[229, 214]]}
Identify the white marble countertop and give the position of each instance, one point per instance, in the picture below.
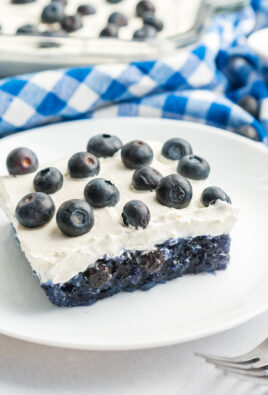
{"points": [[27, 368]]}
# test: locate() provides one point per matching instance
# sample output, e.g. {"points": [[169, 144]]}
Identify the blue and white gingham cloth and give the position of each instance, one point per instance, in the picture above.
{"points": [[201, 85]]}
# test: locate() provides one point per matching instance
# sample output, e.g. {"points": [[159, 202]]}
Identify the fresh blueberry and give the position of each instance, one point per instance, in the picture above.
{"points": [[146, 178], [22, 1], [136, 154], [63, 2], [144, 33], [35, 209], [104, 145], [250, 104], [22, 161], [118, 18], [237, 70], [152, 261], [98, 275], [52, 13], [174, 191], [151, 20], [146, 14], [27, 30], [114, 1], [83, 164], [86, 9], [211, 194], [248, 131], [176, 148], [111, 30], [48, 180], [53, 33], [71, 23], [75, 217], [101, 193], [137, 214], [144, 6], [194, 167]]}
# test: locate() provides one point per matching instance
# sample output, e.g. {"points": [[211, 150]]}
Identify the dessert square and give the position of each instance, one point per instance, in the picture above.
{"points": [[116, 217]]}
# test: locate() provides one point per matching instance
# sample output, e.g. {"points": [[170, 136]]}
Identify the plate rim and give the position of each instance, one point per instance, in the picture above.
{"points": [[140, 345]]}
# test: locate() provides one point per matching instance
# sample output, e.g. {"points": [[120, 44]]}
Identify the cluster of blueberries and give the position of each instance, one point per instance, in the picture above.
{"points": [[55, 13], [75, 217]]}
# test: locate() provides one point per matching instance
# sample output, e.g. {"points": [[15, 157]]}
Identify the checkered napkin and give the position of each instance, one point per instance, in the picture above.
{"points": [[200, 85]]}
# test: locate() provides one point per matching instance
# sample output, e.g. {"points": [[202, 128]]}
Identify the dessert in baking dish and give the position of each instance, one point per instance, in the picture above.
{"points": [[125, 19]]}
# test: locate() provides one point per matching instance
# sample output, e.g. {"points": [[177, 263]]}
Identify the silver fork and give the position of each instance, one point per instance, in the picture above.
{"points": [[252, 366]]}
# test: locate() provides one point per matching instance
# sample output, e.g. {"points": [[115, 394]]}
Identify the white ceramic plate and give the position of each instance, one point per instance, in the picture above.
{"points": [[184, 309]]}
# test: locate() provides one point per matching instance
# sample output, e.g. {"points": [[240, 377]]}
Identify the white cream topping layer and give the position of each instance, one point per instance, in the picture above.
{"points": [[57, 258], [177, 15]]}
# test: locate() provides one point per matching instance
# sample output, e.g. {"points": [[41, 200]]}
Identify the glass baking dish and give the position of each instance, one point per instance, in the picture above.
{"points": [[20, 54]]}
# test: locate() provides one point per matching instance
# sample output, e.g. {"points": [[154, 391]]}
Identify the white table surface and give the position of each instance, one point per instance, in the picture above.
{"points": [[27, 368]]}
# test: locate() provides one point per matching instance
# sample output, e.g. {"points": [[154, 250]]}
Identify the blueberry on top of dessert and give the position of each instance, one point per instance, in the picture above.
{"points": [[48, 180], [136, 154], [53, 12], [194, 167], [176, 148], [146, 178], [104, 145], [75, 217], [144, 33], [86, 9], [101, 193], [35, 209], [21, 161], [136, 213], [211, 194], [27, 29], [71, 23], [83, 164], [111, 30], [174, 191], [145, 6], [151, 20], [118, 18]]}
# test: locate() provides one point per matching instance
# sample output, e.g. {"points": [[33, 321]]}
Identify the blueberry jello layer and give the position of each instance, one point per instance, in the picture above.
{"points": [[142, 269], [114, 254]]}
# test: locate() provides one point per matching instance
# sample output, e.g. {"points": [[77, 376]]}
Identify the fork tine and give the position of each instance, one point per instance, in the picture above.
{"points": [[226, 360], [239, 366], [261, 379], [255, 372], [243, 372], [244, 359]]}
